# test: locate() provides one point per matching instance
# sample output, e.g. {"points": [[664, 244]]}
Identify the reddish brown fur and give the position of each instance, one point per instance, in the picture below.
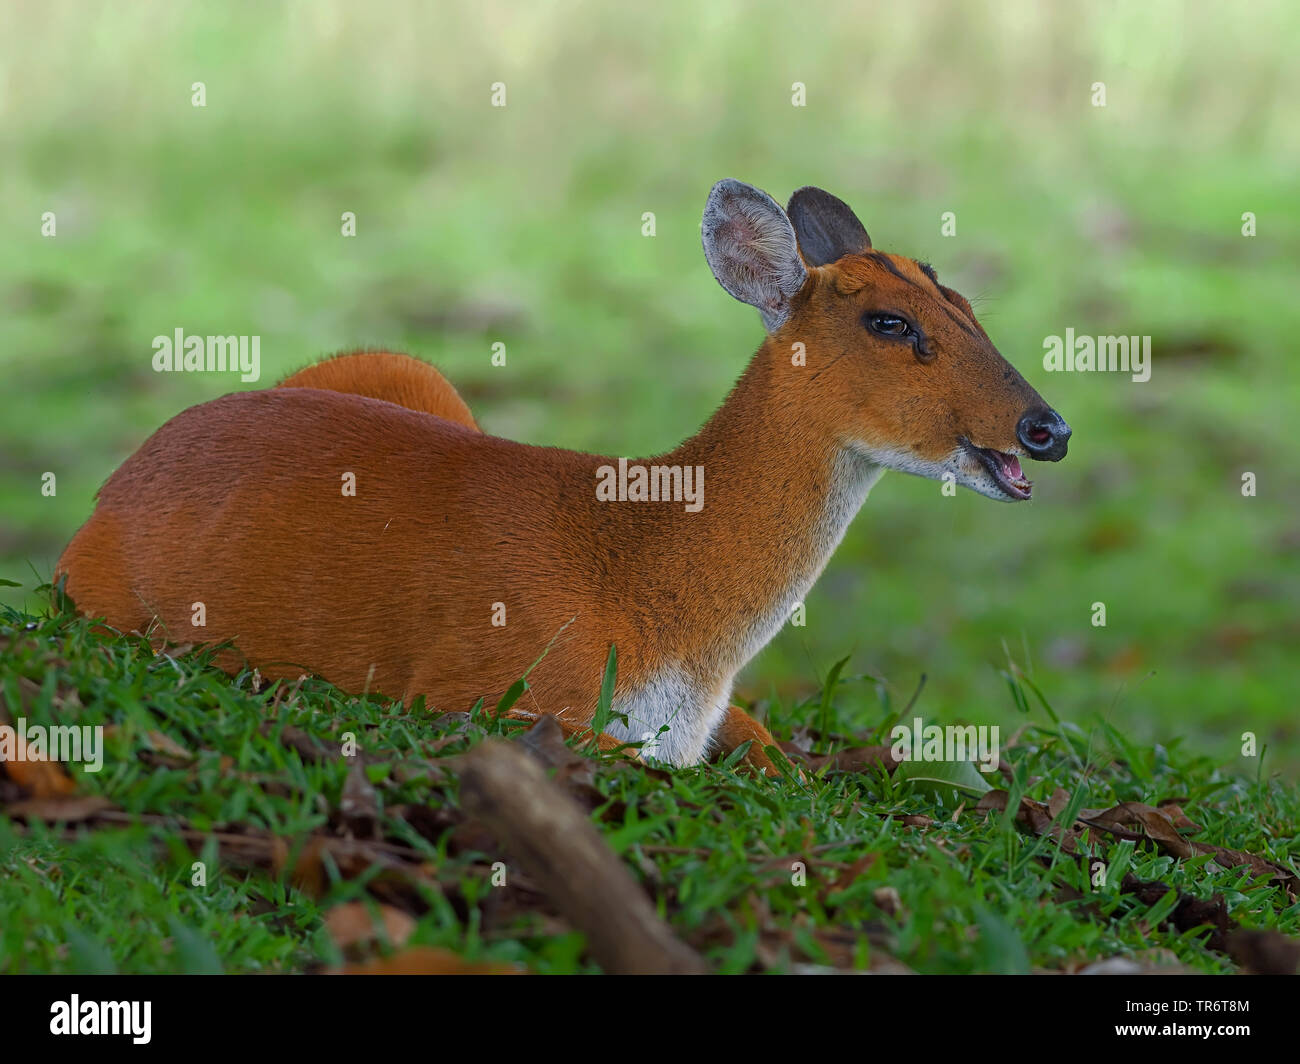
{"points": [[236, 503], [394, 378]]}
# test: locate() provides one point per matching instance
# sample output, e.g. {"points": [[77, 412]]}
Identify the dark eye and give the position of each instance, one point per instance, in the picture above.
{"points": [[889, 325]]}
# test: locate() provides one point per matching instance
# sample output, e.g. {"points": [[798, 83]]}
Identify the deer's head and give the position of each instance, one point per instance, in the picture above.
{"points": [[897, 368]]}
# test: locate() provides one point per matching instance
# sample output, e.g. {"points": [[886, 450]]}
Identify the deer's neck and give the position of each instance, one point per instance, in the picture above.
{"points": [[779, 491]]}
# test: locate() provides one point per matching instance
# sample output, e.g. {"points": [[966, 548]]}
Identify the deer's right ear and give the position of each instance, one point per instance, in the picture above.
{"points": [[827, 227], [751, 248]]}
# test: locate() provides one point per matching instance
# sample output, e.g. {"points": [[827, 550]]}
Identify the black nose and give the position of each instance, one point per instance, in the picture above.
{"points": [[1044, 434]]}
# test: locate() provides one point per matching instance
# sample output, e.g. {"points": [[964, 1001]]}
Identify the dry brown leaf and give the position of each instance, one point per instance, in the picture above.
{"points": [[63, 808], [994, 801], [166, 745], [392, 875], [36, 774], [545, 742], [426, 960], [1158, 826], [40, 778], [311, 750], [1036, 816], [1189, 912], [1176, 816], [575, 774], [160, 749], [860, 867], [352, 924], [359, 802], [1155, 825], [850, 759], [780, 942], [1261, 866], [1264, 952], [308, 873]]}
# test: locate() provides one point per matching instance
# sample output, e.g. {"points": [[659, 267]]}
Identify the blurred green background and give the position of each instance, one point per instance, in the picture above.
{"points": [[523, 225]]}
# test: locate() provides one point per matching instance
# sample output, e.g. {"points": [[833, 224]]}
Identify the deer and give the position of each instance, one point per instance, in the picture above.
{"points": [[461, 561]]}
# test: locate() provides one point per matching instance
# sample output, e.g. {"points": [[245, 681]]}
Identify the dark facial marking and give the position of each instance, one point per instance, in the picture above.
{"points": [[882, 260], [959, 320], [958, 301]]}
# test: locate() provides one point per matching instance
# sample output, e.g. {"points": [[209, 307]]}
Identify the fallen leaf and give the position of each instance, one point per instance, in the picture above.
{"points": [[850, 759], [352, 924], [1261, 866], [426, 960], [63, 808], [359, 802], [545, 742], [36, 774], [1176, 816], [1155, 825], [574, 773], [40, 779], [1189, 912], [311, 750], [1264, 952]]}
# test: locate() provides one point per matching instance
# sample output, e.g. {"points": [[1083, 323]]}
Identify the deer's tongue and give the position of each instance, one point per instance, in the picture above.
{"points": [[1010, 466], [1010, 471]]}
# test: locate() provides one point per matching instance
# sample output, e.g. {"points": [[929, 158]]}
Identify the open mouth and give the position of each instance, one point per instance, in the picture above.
{"points": [[1003, 468]]}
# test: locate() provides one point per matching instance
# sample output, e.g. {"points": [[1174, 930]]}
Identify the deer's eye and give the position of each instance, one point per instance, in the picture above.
{"points": [[889, 325]]}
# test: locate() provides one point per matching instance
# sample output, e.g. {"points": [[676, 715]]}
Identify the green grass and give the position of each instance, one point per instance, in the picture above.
{"points": [[717, 847]]}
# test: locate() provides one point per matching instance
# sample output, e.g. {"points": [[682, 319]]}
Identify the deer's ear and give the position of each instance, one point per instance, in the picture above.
{"points": [[826, 226], [751, 249]]}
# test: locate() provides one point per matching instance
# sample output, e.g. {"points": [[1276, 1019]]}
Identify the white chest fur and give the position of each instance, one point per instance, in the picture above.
{"points": [[684, 697]]}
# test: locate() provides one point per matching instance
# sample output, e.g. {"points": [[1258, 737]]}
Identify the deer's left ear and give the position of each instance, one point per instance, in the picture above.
{"points": [[752, 249], [826, 227]]}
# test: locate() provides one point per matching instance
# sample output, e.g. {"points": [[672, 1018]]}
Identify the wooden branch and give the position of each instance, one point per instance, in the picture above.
{"points": [[559, 848]]}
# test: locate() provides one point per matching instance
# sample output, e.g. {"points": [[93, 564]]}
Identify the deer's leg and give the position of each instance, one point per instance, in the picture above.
{"points": [[738, 727]]}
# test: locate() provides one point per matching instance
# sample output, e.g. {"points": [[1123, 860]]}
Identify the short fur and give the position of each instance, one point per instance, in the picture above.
{"points": [[236, 503]]}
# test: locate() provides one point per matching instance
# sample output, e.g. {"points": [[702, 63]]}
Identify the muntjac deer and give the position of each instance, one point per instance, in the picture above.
{"points": [[458, 557]]}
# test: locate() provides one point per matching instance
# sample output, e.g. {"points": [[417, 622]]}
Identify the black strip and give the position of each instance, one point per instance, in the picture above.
{"points": [[960, 320], [876, 256]]}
